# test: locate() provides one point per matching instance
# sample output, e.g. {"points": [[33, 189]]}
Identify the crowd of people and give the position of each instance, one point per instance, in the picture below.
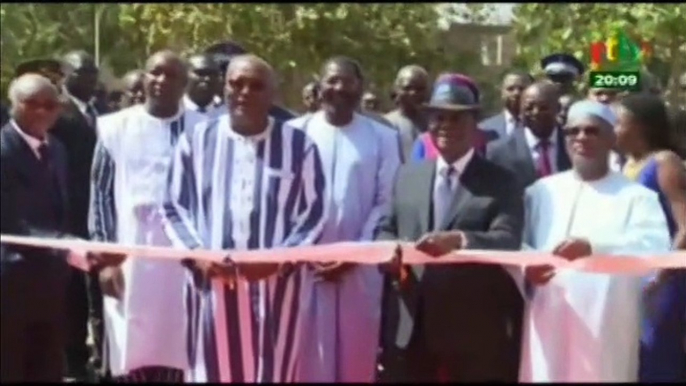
{"points": [[194, 153]]}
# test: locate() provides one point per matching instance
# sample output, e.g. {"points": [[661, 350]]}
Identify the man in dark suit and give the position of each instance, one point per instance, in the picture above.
{"points": [[539, 149], [35, 203], [75, 128], [508, 121], [452, 323]]}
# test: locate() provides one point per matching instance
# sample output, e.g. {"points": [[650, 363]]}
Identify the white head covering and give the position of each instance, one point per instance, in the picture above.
{"points": [[589, 108]]}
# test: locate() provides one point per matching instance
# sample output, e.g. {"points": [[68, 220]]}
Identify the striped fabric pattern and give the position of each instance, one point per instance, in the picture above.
{"points": [[248, 333]]}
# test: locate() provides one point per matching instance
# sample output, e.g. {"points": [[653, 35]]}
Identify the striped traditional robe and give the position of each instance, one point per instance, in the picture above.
{"points": [[229, 192]]}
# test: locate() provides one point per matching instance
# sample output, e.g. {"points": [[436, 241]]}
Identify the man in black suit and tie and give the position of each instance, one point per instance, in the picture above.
{"points": [[452, 323], [76, 130], [508, 121], [35, 203], [539, 149]]}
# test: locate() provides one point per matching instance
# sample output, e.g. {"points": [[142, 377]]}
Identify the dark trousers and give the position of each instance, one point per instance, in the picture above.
{"points": [[417, 363], [158, 374], [77, 352], [32, 332], [85, 307]]}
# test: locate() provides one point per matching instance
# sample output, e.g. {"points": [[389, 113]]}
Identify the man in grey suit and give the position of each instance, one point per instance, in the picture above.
{"points": [[508, 121], [452, 323], [539, 149]]}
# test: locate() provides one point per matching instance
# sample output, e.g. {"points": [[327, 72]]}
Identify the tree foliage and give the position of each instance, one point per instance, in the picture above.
{"points": [[543, 29], [295, 38]]}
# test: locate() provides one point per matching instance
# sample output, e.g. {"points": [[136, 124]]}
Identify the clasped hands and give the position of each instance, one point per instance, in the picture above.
{"points": [[570, 250]]}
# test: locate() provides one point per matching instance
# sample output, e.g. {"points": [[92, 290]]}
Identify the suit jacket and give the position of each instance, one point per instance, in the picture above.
{"points": [[34, 203], [514, 154], [4, 115], [462, 308], [78, 138], [496, 123]]}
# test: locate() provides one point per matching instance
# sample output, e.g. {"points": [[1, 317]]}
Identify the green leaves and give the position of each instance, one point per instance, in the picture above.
{"points": [[543, 29]]}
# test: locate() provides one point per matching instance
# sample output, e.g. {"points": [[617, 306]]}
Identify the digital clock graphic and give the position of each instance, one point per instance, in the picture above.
{"points": [[616, 80]]}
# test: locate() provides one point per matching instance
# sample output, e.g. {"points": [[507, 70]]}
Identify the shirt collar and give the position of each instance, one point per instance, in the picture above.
{"points": [[190, 105], [252, 138], [532, 141], [459, 166], [81, 105], [509, 118], [34, 143]]}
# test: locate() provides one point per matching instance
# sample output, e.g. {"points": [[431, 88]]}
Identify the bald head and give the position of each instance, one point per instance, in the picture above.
{"points": [[80, 74], [546, 89], [133, 77], [411, 89], [165, 56], [540, 107], [255, 64], [76, 59], [412, 71], [250, 89], [165, 81]]}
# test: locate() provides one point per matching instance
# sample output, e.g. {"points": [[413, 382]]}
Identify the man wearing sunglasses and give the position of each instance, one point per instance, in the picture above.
{"points": [[584, 327]]}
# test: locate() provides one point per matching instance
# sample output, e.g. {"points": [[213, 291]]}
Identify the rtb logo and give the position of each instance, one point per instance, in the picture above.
{"points": [[618, 53]]}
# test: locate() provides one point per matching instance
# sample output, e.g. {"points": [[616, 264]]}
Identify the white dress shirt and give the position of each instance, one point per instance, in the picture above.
{"points": [[535, 150], [33, 142], [441, 170], [510, 122], [211, 110]]}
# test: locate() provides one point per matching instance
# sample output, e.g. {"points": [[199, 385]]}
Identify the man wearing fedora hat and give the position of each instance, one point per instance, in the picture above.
{"points": [[452, 323]]}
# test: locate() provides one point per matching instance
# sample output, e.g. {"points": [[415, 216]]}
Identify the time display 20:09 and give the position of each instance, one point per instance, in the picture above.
{"points": [[616, 80]]}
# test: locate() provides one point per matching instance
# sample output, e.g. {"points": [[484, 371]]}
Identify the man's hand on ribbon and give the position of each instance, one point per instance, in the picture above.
{"points": [[573, 248], [437, 244], [332, 271], [394, 268], [112, 282]]}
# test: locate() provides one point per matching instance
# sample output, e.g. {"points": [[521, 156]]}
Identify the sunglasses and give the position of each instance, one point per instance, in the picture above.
{"points": [[588, 131]]}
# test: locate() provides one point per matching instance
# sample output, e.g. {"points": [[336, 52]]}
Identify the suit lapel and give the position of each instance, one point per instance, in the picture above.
{"points": [[563, 162], [523, 153], [23, 151]]}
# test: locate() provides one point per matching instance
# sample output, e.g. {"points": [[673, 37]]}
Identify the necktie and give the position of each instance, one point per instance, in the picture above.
{"points": [[91, 115], [202, 109], [444, 196], [44, 154], [544, 168]]}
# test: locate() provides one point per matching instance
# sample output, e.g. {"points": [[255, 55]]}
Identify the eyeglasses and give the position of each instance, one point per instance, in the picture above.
{"points": [[588, 131]]}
